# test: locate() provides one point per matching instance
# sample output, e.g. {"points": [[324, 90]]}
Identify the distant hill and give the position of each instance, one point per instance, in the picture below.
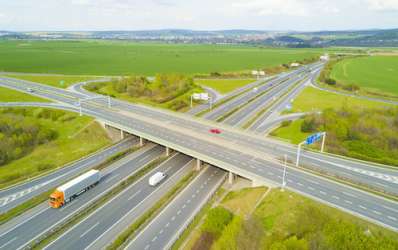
{"points": [[368, 38]]}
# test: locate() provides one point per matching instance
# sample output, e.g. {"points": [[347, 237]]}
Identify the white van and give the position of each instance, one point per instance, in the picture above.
{"points": [[156, 178]]}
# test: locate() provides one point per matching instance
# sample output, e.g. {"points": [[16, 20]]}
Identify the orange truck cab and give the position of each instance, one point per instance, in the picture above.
{"points": [[57, 199]]}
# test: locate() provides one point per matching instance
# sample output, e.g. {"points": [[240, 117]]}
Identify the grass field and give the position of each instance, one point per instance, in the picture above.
{"points": [[60, 81], [292, 132], [9, 95], [124, 58], [374, 74], [285, 220], [77, 137], [312, 99], [224, 85]]}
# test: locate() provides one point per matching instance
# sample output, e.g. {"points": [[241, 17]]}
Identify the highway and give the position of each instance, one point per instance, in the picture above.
{"points": [[224, 151], [84, 233], [366, 173], [259, 126], [238, 118], [163, 230], [17, 233], [17, 194]]}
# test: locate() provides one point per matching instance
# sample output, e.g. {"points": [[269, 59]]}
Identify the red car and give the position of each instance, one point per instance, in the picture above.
{"points": [[215, 131]]}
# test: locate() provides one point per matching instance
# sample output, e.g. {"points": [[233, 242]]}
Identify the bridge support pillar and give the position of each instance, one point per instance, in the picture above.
{"points": [[167, 151], [231, 178], [141, 141], [121, 134], [198, 165]]}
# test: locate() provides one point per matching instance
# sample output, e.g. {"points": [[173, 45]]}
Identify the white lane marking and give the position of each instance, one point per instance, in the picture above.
{"points": [[298, 183], [154, 238], [161, 231], [392, 209], [134, 195], [173, 218], [178, 212], [183, 206], [390, 217], [364, 208], [9, 242], [324, 193], [111, 178], [167, 225], [376, 212], [313, 182], [354, 196], [337, 198], [91, 228], [311, 188], [147, 247], [349, 202]]}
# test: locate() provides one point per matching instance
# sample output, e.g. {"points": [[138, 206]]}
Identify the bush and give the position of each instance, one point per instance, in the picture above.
{"points": [[216, 220], [330, 81], [286, 123]]}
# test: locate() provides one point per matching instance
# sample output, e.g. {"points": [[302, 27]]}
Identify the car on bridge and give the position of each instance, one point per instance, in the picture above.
{"points": [[215, 131]]}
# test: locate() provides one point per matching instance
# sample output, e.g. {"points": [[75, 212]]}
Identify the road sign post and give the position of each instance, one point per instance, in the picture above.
{"points": [[310, 140]]}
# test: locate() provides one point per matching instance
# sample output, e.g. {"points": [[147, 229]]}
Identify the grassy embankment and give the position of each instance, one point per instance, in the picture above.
{"points": [[355, 127], [47, 139], [284, 220], [126, 58], [224, 86], [60, 81], [9, 95], [366, 75]]}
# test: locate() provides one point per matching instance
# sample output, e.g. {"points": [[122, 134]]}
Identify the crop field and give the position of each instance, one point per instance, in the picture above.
{"points": [[60, 81], [224, 85], [9, 95], [124, 58], [378, 74]]}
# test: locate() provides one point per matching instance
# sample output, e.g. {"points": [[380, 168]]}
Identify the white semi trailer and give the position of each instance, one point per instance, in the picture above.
{"points": [[74, 187]]}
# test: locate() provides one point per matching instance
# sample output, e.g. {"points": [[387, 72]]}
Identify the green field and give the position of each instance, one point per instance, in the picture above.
{"points": [[9, 95], [374, 74], [60, 81], [125, 58], [291, 132], [312, 99], [224, 85], [77, 137], [284, 221]]}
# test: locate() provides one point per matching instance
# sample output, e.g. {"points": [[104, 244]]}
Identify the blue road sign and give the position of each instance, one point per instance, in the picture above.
{"points": [[313, 138]]}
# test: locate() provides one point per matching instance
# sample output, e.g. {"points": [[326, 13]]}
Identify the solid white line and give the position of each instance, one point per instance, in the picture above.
{"points": [[91, 228], [9, 242]]}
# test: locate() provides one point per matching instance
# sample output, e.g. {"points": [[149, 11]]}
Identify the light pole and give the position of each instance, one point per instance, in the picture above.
{"points": [[323, 141], [284, 174], [298, 153]]}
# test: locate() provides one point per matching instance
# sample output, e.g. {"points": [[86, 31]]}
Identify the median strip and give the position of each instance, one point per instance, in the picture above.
{"points": [[80, 214], [144, 219]]}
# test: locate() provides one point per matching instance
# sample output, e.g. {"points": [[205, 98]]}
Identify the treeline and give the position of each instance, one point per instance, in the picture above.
{"points": [[163, 89], [21, 131], [368, 134]]}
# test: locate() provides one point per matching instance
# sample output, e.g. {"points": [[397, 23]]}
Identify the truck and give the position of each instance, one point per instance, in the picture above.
{"points": [[156, 178], [73, 188]]}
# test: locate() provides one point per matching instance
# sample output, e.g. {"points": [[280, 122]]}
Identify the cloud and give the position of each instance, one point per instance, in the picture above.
{"points": [[298, 8], [383, 5]]}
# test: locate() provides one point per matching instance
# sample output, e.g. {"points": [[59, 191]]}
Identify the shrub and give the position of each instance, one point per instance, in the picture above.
{"points": [[216, 220]]}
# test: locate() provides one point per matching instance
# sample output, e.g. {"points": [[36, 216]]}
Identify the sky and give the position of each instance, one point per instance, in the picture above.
{"points": [[301, 15]]}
